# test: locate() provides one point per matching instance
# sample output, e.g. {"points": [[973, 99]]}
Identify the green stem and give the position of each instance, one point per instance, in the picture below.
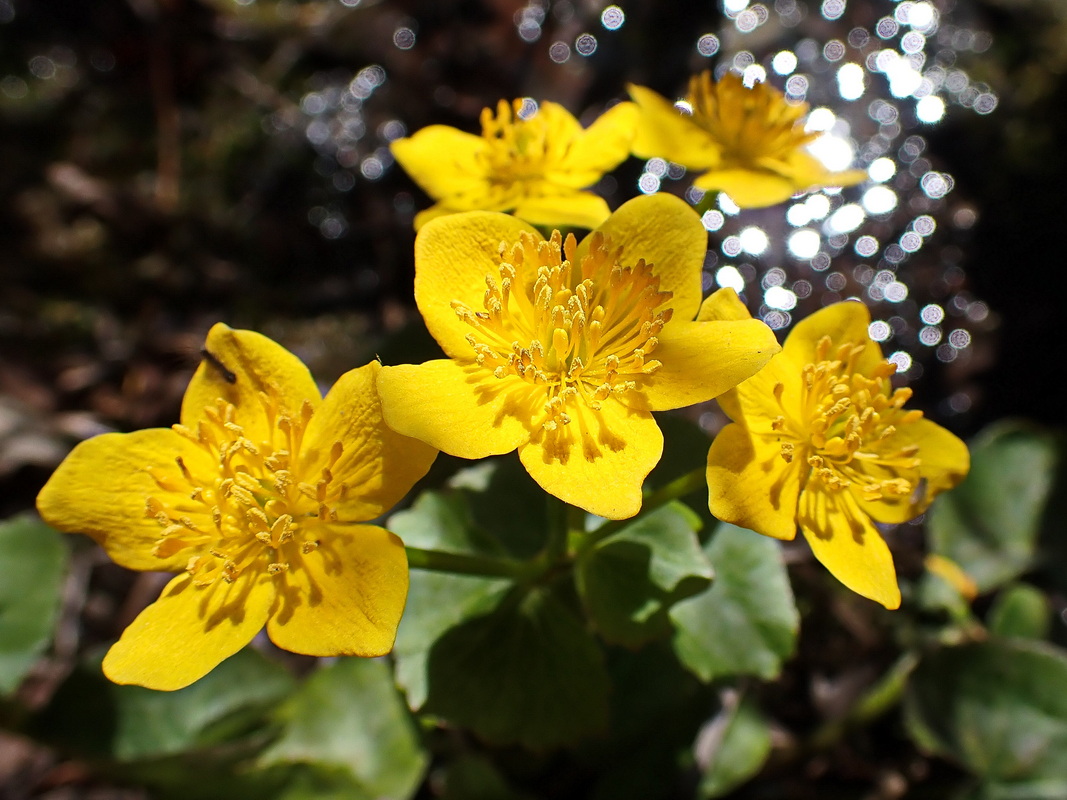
{"points": [[875, 702], [468, 564], [679, 487]]}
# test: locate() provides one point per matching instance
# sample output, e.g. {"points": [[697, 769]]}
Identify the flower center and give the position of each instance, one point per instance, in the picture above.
{"points": [[582, 332], [845, 431], [751, 125], [250, 508], [517, 149]]}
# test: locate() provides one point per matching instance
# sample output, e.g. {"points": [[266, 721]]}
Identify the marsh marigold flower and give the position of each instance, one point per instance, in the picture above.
{"points": [[563, 349], [747, 142], [255, 499], [534, 166], [820, 439]]}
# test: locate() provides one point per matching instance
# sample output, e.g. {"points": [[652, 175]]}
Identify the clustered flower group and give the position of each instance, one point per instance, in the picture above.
{"points": [[262, 498]]}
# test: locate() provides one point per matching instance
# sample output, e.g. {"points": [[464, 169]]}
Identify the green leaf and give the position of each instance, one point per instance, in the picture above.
{"points": [[629, 580], [33, 562], [997, 707], [475, 777], [437, 601], [650, 691], [990, 523], [349, 715], [100, 719], [746, 622], [494, 489], [527, 673], [736, 742], [1020, 611]]}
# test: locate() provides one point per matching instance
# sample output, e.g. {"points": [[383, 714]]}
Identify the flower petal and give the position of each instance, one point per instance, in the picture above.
{"points": [[188, 631], [102, 486], [444, 161], [843, 538], [379, 465], [599, 461], [666, 232], [722, 305], [453, 256], [563, 208], [345, 598], [598, 149], [748, 188], [844, 323], [701, 360], [807, 172], [460, 409], [751, 485], [944, 462], [663, 131], [240, 366]]}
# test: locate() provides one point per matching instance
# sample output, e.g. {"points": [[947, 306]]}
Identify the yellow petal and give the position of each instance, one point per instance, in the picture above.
{"points": [[844, 539], [433, 212], [102, 487], [748, 188], [243, 365], [444, 161], [345, 598], [453, 256], [564, 208], [807, 172], [667, 233], [945, 459], [598, 461], [462, 410], [188, 631], [944, 462], [722, 305], [598, 149], [701, 360], [663, 131], [751, 485], [378, 464], [844, 323]]}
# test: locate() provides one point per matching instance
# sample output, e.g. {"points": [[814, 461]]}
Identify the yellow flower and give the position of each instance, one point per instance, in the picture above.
{"points": [[748, 143], [534, 168], [820, 439], [253, 498], [562, 350]]}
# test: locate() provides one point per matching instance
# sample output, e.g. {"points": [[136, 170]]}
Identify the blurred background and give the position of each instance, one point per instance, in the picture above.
{"points": [[166, 164]]}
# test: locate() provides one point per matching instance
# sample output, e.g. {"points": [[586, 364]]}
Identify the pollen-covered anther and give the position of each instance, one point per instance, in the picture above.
{"points": [[787, 451], [277, 567]]}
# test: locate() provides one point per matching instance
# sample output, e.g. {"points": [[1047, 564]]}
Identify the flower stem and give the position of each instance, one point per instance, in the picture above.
{"points": [[875, 702], [677, 488], [467, 564]]}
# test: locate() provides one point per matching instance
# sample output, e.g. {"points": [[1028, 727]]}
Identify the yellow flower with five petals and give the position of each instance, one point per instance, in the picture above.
{"points": [[747, 142], [820, 439], [534, 166], [256, 499], [562, 350]]}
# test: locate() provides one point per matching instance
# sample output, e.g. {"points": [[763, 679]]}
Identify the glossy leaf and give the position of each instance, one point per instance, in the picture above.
{"points": [[998, 707], [746, 622], [1021, 611], [629, 580], [437, 601], [526, 673], [96, 718], [735, 744], [349, 715], [33, 562], [990, 523]]}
